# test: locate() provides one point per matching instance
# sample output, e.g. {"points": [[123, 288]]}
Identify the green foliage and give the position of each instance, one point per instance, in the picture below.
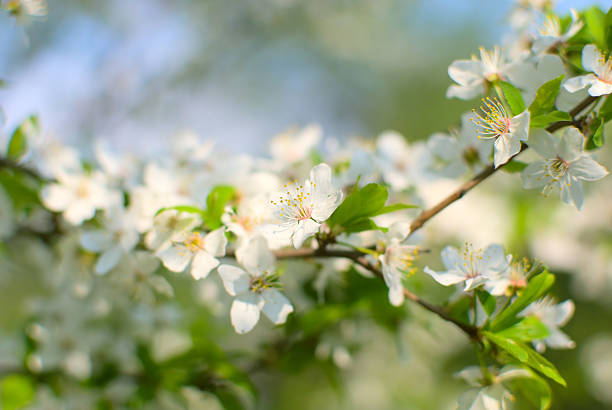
{"points": [[18, 143], [608, 31], [487, 301], [528, 329], [22, 189], [514, 166], [354, 213], [595, 20], [16, 391], [526, 355], [513, 97], [533, 391], [544, 120], [216, 201], [605, 111], [537, 287], [546, 95]]}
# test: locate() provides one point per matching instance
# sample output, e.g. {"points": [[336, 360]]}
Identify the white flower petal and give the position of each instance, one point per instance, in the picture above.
{"points": [[235, 280], [587, 169], [245, 312], [108, 260], [215, 242], [79, 211], [591, 58], [445, 278], [599, 87], [505, 147], [535, 175], [578, 83], [175, 258], [450, 257], [575, 191], [519, 125], [304, 230], [96, 241], [466, 72], [202, 264], [56, 197], [570, 145], [276, 306], [256, 256]]}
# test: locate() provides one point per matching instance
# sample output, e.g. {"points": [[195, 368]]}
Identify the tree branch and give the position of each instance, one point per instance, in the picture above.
{"points": [[429, 213]]}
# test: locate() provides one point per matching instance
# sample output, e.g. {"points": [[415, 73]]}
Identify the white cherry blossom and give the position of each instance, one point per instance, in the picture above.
{"points": [[550, 34], [256, 288], [563, 167], [470, 266], [194, 249], [302, 208], [508, 131], [553, 316], [117, 238], [78, 196], [599, 80]]}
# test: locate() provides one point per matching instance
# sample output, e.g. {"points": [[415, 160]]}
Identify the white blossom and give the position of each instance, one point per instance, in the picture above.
{"points": [[599, 80], [255, 289], [550, 34], [489, 394], [395, 160], [563, 167], [397, 261], [194, 249], [472, 267], [553, 316], [508, 131], [302, 208], [78, 196]]}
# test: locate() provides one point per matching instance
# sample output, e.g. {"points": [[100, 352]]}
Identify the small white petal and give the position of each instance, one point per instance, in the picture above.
{"points": [[578, 83], [445, 278], [591, 58], [215, 242], [276, 306], [79, 211], [304, 230], [96, 241], [245, 312], [587, 169], [235, 280], [175, 258], [256, 256], [575, 190], [202, 264], [535, 175], [108, 260], [450, 257], [56, 197], [599, 88]]}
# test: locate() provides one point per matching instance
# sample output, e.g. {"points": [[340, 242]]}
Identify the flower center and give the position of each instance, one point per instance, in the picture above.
{"points": [[557, 168], [82, 190], [471, 261], [194, 242], [494, 121], [296, 204]]}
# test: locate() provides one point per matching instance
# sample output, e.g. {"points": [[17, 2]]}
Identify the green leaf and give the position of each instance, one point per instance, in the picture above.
{"points": [[487, 301], [392, 208], [526, 355], [544, 101], [16, 391], [605, 111], [215, 204], [544, 120], [598, 136], [596, 25], [360, 204], [182, 208], [362, 224], [608, 23], [534, 390], [513, 97], [18, 144], [514, 166], [537, 287], [528, 329]]}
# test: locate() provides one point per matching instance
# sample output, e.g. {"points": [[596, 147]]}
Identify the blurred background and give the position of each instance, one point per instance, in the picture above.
{"points": [[136, 72]]}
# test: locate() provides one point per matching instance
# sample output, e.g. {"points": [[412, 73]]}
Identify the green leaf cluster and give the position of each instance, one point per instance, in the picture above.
{"points": [[355, 212]]}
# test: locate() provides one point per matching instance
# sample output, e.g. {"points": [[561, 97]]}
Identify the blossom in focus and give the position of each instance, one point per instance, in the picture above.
{"points": [[256, 288], [508, 131], [550, 34], [301, 209], [117, 238], [600, 78], [563, 166], [508, 280], [453, 155], [553, 316], [471, 266], [77, 196], [192, 248], [473, 76], [166, 225]]}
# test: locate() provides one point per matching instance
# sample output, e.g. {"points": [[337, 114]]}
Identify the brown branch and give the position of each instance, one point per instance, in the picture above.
{"points": [[429, 213], [12, 165]]}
